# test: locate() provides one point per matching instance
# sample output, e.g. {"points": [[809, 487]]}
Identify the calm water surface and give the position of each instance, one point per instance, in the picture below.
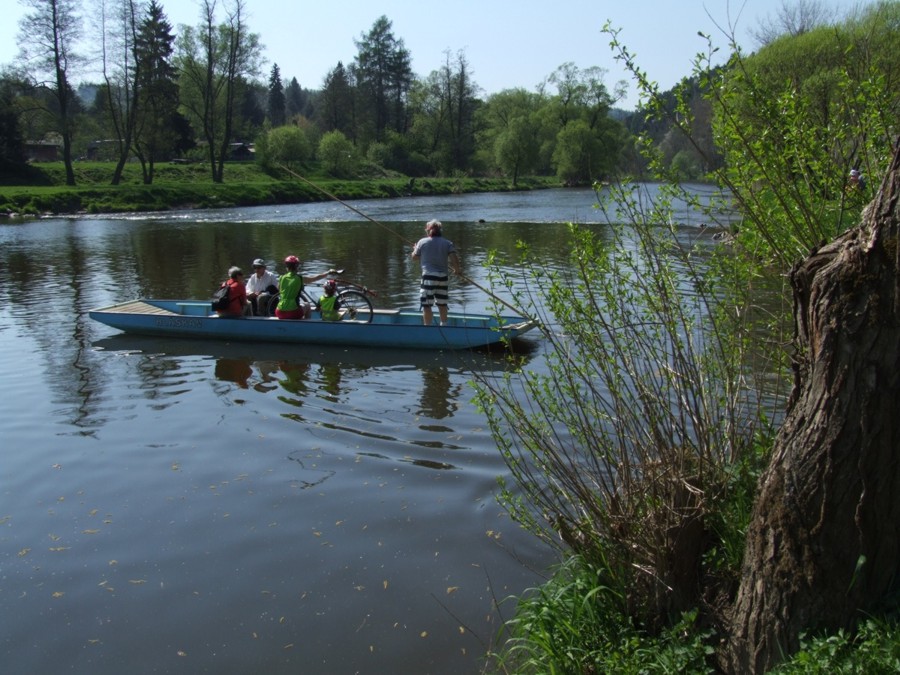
{"points": [[183, 507]]}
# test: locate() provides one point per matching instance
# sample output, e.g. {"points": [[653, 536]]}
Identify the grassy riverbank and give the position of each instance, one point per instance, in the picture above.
{"points": [[42, 189]]}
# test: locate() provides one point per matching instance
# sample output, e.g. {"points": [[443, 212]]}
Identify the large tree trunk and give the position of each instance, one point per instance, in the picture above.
{"points": [[823, 546]]}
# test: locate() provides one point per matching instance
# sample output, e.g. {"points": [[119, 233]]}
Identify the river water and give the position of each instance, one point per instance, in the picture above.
{"points": [[189, 507]]}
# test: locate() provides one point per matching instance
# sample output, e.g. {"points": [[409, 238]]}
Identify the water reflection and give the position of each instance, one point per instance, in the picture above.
{"points": [[237, 371], [439, 395], [216, 472]]}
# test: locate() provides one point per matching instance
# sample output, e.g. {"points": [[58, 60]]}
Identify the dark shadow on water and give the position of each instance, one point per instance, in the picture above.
{"points": [[491, 360]]}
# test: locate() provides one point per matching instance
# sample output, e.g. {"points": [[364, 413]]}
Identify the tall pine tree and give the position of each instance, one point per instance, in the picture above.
{"points": [[156, 135], [276, 103], [384, 77]]}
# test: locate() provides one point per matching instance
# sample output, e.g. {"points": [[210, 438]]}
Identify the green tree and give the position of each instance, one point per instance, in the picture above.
{"points": [[815, 106], [443, 116], [587, 142], [12, 144], [336, 109], [122, 75], [578, 155], [286, 145], [337, 154], [276, 103], [511, 130], [647, 421], [157, 134], [296, 99], [383, 77], [215, 61], [47, 36]]}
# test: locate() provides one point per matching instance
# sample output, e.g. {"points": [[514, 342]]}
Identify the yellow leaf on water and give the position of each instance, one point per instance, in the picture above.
{"points": [[58, 594], [90, 531], [137, 582], [93, 641], [181, 652], [462, 631], [24, 552], [452, 589], [289, 646], [54, 537], [113, 562], [92, 512], [423, 634], [56, 549]]}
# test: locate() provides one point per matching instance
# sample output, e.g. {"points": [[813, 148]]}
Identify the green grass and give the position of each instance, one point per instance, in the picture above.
{"points": [[40, 188], [576, 623]]}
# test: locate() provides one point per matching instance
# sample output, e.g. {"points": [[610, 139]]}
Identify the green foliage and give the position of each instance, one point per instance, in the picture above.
{"points": [[216, 63], [575, 623], [337, 154], [794, 118], [627, 447], [384, 76], [584, 154], [189, 185], [875, 648], [287, 145], [276, 103], [641, 446]]}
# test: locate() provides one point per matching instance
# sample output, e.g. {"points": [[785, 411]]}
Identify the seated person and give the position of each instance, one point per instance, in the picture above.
{"points": [[261, 286], [329, 304], [238, 304]]}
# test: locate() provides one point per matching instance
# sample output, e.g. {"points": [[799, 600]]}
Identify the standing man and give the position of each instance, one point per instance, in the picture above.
{"points": [[261, 286], [436, 254]]}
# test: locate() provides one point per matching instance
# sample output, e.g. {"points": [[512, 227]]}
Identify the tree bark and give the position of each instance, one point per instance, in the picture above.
{"points": [[824, 540]]}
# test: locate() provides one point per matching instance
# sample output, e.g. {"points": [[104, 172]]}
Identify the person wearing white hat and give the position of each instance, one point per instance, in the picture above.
{"points": [[261, 286]]}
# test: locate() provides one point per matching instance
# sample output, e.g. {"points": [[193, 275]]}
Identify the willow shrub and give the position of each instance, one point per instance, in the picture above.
{"points": [[628, 442], [637, 449]]}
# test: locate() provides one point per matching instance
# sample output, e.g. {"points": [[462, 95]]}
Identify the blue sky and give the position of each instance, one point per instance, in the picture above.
{"points": [[507, 43]]}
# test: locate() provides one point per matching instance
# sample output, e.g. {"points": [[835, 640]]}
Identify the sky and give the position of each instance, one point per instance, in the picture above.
{"points": [[507, 43]]}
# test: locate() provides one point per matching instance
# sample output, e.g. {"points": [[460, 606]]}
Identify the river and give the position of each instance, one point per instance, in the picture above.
{"points": [[190, 507]]}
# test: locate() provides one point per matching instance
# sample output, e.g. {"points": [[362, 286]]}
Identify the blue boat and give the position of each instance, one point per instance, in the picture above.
{"points": [[387, 328]]}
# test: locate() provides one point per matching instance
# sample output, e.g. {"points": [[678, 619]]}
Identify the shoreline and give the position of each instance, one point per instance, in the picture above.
{"points": [[22, 202]]}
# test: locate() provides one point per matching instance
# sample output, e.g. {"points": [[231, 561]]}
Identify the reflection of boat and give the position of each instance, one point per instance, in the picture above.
{"points": [[345, 357], [388, 328]]}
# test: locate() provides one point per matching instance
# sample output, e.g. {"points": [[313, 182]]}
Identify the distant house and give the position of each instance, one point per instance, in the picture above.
{"points": [[242, 152], [41, 151]]}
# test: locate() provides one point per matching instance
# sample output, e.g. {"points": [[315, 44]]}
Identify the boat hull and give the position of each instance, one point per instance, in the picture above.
{"points": [[388, 328]]}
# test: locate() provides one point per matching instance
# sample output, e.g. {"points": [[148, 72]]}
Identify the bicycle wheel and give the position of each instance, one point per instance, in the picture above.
{"points": [[273, 303], [357, 305]]}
